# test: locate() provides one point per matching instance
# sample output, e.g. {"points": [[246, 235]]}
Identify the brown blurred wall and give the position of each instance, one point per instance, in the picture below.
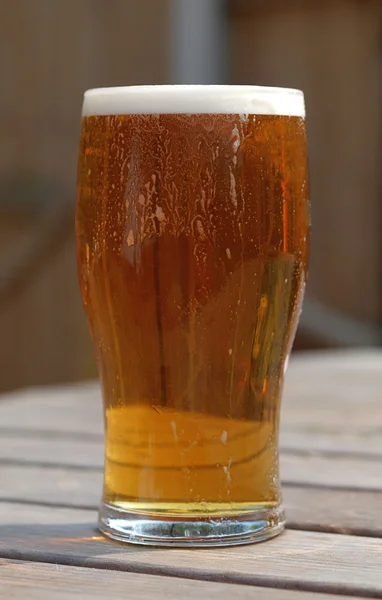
{"points": [[50, 52], [332, 49]]}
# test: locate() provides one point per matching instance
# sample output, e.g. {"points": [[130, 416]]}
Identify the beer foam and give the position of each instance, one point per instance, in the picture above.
{"points": [[194, 99]]}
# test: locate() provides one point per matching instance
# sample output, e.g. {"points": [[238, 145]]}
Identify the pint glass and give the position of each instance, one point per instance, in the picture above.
{"points": [[192, 229]]}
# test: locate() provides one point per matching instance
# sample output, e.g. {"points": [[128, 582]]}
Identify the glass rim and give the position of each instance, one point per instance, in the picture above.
{"points": [[194, 99]]}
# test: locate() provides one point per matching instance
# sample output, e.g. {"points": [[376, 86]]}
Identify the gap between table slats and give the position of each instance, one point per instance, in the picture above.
{"points": [[44, 581], [296, 560], [298, 468], [309, 508]]}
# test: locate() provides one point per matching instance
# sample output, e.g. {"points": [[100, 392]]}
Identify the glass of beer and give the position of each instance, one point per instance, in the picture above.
{"points": [[192, 228]]}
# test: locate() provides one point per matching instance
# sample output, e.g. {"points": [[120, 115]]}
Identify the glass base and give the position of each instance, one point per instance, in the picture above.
{"points": [[139, 528]]}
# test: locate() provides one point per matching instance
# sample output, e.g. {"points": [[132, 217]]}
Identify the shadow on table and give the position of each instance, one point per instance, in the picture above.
{"points": [[69, 543]]}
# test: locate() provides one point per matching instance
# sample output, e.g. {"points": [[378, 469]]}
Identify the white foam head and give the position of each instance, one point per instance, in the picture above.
{"points": [[192, 99]]}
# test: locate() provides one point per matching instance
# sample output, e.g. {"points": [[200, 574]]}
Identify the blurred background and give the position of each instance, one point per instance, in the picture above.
{"points": [[52, 50]]}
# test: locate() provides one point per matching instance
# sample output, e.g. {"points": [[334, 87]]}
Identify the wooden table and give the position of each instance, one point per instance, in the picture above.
{"points": [[51, 469]]}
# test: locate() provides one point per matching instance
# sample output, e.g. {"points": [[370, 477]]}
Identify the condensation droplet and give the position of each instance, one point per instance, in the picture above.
{"points": [[160, 214], [173, 427]]}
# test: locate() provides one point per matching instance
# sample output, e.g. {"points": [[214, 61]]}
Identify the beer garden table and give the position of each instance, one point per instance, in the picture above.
{"points": [[331, 464]]}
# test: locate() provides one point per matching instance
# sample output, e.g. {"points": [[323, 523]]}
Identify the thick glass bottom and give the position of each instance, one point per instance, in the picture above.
{"points": [[179, 531]]}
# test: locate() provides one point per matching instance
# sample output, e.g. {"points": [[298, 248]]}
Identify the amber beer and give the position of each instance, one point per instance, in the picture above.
{"points": [[192, 230]]}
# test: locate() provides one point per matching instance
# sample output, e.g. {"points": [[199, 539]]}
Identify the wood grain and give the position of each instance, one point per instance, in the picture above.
{"points": [[300, 560], [301, 468], [339, 472], [67, 487], [64, 452], [39, 581], [51, 447], [311, 508], [86, 449], [309, 439], [71, 409], [331, 403], [333, 510]]}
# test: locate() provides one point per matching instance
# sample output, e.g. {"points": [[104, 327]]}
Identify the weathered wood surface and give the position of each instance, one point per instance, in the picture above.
{"points": [[312, 508], [295, 560], [59, 582], [305, 467], [328, 396], [51, 453]]}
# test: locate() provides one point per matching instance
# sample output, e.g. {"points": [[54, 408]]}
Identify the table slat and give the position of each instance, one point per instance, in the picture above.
{"points": [[339, 471], [20, 443], [332, 399], [306, 561], [51, 450], [313, 508], [300, 449], [40, 581]]}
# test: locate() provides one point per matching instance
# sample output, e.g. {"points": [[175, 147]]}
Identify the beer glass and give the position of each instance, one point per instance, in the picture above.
{"points": [[192, 228]]}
